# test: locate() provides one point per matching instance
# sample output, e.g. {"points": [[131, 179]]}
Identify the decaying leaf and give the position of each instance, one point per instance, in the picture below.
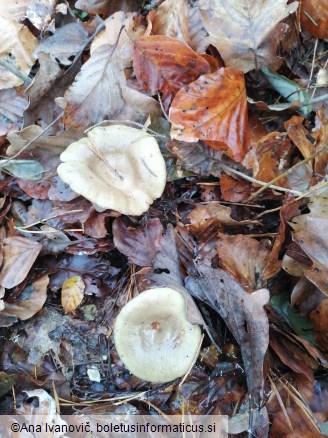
{"points": [[29, 302], [37, 11], [247, 32], [96, 93], [19, 255], [123, 41], [72, 293], [171, 19], [164, 64], [138, 244], [213, 109], [245, 316], [310, 232], [93, 6], [12, 107], [17, 45]]}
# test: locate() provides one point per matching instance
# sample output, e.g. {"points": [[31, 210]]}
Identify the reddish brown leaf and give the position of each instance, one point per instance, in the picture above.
{"points": [[314, 17], [138, 244], [166, 64], [19, 255], [213, 109], [234, 190]]}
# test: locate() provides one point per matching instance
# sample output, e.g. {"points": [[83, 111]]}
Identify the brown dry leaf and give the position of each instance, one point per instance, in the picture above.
{"points": [[96, 93], [171, 19], [234, 190], [133, 29], [165, 64], [19, 255], [297, 133], [271, 157], [314, 17], [246, 32], [12, 107], [244, 315], [244, 258], [72, 294], [138, 244], [17, 45], [213, 109], [310, 232], [319, 317], [29, 302]]}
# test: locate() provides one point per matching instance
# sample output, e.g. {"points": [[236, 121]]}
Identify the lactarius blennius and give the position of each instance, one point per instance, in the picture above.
{"points": [[115, 167], [153, 337]]}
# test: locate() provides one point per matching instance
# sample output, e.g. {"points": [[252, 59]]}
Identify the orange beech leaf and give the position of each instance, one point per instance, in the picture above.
{"points": [[234, 190], [213, 109], [166, 64], [314, 17]]}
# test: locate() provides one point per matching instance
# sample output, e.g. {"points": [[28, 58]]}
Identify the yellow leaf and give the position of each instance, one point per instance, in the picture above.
{"points": [[72, 293]]}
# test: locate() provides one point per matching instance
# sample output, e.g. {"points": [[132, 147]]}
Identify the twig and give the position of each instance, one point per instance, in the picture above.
{"points": [[283, 175], [40, 221], [312, 67], [261, 183], [162, 107], [32, 141], [131, 122], [27, 80]]}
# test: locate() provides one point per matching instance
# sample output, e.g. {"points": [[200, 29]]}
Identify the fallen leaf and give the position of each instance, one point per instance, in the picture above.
{"points": [[319, 317], [310, 231], [244, 258], [123, 41], [17, 46], [213, 109], [93, 6], [297, 133], [172, 20], [164, 64], [12, 107], [197, 32], [67, 42], [96, 93], [72, 294], [29, 302], [314, 17], [139, 244], [249, 31], [19, 255], [244, 315], [234, 190]]}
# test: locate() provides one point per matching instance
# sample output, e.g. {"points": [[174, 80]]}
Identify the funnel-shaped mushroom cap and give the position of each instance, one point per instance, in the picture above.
{"points": [[153, 337], [115, 167]]}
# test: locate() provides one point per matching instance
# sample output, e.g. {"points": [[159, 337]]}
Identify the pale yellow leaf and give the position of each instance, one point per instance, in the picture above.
{"points": [[72, 293]]}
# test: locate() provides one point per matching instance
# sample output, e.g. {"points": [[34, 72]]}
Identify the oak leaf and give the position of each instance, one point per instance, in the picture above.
{"points": [[213, 109], [165, 64], [246, 32]]}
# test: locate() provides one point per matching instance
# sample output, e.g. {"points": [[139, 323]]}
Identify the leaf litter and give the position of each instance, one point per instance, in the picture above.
{"points": [[234, 96]]}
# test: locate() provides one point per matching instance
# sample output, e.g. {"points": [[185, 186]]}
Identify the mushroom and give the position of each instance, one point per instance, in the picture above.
{"points": [[153, 337], [115, 167]]}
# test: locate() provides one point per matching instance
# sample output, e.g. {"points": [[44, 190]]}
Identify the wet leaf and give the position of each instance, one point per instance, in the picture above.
{"points": [[164, 64], [213, 109], [314, 17], [72, 294], [19, 255]]}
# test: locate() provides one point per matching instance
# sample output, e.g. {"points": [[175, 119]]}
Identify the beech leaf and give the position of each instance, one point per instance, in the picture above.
{"points": [[213, 109], [246, 32], [19, 255], [165, 64], [97, 91], [244, 315]]}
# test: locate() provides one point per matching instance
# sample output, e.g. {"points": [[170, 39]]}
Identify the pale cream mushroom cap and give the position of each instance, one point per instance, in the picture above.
{"points": [[153, 337], [115, 167]]}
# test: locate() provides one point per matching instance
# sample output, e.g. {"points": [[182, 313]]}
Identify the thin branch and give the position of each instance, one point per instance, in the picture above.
{"points": [[283, 175], [4, 162], [27, 80]]}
